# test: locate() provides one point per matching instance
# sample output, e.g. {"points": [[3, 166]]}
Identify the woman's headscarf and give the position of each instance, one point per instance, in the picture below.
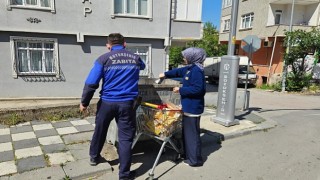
{"points": [[195, 56]]}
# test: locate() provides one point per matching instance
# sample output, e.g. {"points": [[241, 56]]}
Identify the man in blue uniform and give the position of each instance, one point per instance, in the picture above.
{"points": [[119, 70]]}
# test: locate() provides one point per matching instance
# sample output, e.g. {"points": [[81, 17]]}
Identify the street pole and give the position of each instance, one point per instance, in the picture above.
{"points": [[228, 77], [246, 99], [285, 69], [233, 25]]}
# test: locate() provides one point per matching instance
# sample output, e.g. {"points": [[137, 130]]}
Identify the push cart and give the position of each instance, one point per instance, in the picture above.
{"points": [[160, 124]]}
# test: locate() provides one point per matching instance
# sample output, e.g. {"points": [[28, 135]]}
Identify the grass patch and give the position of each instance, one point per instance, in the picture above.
{"points": [[47, 159], [13, 117], [274, 87]]}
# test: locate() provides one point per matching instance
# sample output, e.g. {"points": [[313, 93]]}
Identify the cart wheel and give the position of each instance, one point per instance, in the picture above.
{"points": [[177, 158]]}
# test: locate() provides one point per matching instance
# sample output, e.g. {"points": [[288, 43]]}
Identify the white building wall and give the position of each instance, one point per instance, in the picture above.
{"points": [[264, 18]]}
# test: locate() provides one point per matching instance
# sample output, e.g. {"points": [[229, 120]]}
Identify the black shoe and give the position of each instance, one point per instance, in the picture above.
{"points": [[182, 156], [93, 162], [132, 176], [96, 161]]}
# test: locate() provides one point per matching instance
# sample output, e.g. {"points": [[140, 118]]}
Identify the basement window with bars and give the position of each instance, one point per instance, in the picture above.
{"points": [[34, 56], [32, 4]]}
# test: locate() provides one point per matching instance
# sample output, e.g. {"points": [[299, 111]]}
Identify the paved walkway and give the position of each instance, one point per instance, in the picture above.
{"points": [[57, 150], [39, 144]]}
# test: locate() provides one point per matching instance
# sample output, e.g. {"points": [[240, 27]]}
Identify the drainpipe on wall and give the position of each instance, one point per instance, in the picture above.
{"points": [[167, 40], [271, 59]]}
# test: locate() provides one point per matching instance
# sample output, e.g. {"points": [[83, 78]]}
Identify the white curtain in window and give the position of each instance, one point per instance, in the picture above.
{"points": [[118, 6], [143, 7], [131, 6], [23, 61], [45, 3], [49, 61], [36, 61], [31, 2]]}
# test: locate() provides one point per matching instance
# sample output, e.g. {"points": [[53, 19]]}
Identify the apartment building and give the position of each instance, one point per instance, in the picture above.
{"points": [[47, 47], [268, 19]]}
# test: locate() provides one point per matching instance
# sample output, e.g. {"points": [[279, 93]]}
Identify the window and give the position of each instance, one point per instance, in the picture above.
{"points": [[33, 4], [226, 3], [226, 25], [34, 56], [277, 17], [246, 21], [140, 8], [143, 52], [188, 10]]}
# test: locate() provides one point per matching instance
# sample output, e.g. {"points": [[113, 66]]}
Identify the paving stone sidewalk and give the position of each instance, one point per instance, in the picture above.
{"points": [[39, 144]]}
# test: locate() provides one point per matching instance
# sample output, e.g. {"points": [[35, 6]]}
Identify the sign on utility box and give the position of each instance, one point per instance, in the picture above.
{"points": [[228, 81]]}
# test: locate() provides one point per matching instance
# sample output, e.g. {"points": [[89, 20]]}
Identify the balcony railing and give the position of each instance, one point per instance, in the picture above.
{"points": [[281, 29]]}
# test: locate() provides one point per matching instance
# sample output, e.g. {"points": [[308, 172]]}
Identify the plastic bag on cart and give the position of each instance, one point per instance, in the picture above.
{"points": [[159, 122]]}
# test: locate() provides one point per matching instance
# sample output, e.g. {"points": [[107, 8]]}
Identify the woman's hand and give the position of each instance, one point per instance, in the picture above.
{"points": [[162, 75], [176, 89]]}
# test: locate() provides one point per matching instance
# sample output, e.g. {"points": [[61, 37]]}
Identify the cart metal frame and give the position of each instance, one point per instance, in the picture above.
{"points": [[141, 130]]}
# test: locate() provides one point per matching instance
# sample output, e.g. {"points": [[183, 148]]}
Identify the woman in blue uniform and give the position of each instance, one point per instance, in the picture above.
{"points": [[192, 99]]}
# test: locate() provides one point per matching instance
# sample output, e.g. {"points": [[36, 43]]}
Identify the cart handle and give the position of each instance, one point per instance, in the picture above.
{"points": [[161, 106]]}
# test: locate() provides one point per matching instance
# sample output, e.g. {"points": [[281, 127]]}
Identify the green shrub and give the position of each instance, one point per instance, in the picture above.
{"points": [[296, 82]]}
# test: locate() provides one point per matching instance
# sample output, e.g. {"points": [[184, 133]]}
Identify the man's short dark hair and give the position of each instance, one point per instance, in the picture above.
{"points": [[115, 38]]}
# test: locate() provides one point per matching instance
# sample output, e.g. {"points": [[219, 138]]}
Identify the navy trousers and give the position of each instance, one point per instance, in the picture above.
{"points": [[125, 117], [192, 141]]}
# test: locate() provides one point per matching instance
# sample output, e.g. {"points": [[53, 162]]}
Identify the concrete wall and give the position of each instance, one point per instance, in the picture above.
{"points": [[76, 60], [186, 30], [69, 18]]}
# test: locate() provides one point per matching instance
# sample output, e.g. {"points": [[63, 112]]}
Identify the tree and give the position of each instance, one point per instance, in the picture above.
{"points": [[209, 42], [301, 44], [175, 56]]}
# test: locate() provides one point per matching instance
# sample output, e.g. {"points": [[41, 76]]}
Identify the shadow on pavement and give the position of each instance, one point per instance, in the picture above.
{"points": [[145, 153]]}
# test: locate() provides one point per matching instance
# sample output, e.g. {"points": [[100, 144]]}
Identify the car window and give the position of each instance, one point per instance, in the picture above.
{"points": [[243, 70]]}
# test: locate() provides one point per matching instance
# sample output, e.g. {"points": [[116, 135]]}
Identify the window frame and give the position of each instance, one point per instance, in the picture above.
{"points": [[15, 62], [249, 16], [148, 62], [124, 14], [225, 3], [185, 19], [10, 5], [278, 13], [224, 25]]}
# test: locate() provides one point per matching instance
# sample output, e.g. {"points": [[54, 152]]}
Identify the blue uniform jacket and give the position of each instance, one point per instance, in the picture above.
{"points": [[119, 71], [193, 88]]}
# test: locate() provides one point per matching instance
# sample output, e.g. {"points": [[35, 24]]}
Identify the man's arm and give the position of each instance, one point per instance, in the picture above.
{"points": [[91, 84], [142, 64]]}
